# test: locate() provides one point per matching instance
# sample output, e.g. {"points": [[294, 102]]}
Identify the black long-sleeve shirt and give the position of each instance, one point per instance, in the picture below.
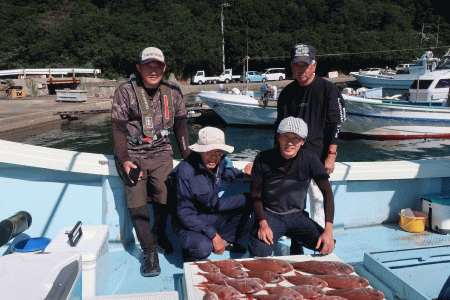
{"points": [[321, 106]]}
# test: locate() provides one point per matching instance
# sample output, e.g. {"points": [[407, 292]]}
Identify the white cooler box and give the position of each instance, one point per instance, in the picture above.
{"points": [[52, 276], [437, 206], [93, 247]]}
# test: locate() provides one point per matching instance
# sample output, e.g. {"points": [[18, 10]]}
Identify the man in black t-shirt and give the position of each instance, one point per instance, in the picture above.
{"points": [[280, 180], [320, 104]]}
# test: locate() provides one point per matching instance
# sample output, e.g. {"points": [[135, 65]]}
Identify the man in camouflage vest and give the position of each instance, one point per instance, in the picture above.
{"points": [[143, 111]]}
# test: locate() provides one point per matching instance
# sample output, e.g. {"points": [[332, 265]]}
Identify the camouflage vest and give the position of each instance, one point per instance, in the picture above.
{"points": [[167, 108]]}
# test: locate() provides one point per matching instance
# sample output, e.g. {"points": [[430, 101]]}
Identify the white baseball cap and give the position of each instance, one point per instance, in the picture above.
{"points": [[151, 53], [211, 138]]}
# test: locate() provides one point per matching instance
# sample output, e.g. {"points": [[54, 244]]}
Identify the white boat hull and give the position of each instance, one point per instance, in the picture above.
{"points": [[381, 120], [239, 109], [375, 81]]}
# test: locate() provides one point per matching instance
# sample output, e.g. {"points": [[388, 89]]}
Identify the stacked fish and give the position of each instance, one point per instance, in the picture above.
{"points": [[275, 279]]}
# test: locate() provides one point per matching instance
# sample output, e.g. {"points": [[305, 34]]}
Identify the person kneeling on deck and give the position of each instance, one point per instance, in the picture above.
{"points": [[279, 185], [200, 210]]}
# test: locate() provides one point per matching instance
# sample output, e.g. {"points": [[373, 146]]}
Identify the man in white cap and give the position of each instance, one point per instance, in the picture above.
{"points": [[202, 207], [280, 181], [143, 111], [320, 104]]}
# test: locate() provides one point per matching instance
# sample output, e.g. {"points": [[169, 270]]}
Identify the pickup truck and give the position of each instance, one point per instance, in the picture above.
{"points": [[227, 76], [201, 78]]}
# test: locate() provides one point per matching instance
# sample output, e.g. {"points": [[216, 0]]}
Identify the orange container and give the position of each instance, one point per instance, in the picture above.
{"points": [[17, 94]]}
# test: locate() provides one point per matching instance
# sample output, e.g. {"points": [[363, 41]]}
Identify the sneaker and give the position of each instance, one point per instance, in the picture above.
{"points": [[163, 245], [235, 248], [150, 265]]}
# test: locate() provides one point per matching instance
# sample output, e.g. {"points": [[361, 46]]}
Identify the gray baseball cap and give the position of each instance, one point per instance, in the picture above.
{"points": [[304, 53], [294, 125]]}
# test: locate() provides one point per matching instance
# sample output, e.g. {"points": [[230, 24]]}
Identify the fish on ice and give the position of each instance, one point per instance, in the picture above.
{"points": [[344, 281], [267, 276], [300, 279], [227, 264], [323, 267], [268, 264], [358, 293]]}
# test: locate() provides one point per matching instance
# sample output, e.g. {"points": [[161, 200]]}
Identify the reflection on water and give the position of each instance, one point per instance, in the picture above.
{"points": [[93, 134]]}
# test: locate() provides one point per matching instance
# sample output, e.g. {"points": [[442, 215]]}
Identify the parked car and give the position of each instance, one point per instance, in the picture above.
{"points": [[275, 73], [253, 76]]}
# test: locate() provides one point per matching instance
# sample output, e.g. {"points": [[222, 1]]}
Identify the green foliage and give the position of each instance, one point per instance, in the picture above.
{"points": [[109, 35]]}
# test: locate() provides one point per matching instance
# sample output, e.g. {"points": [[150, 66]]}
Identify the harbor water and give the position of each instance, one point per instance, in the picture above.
{"points": [[93, 134]]}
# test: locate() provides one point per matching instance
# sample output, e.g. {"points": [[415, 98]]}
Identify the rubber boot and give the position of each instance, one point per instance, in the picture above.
{"points": [[161, 213]]}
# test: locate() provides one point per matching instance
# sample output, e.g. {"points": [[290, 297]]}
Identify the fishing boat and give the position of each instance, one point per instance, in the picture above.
{"points": [[61, 188], [431, 88], [237, 108], [400, 79], [392, 119]]}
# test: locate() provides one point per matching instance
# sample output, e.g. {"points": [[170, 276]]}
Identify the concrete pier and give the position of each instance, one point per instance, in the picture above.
{"points": [[28, 112]]}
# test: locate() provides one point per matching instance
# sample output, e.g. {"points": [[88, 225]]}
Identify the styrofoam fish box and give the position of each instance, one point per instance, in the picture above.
{"points": [[437, 206], [172, 295], [93, 247], [41, 276], [192, 274]]}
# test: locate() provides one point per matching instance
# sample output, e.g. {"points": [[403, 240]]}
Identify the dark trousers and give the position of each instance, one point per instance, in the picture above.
{"points": [[295, 225], [234, 213]]}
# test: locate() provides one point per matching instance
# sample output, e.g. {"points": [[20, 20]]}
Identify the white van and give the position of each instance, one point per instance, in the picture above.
{"points": [[275, 74]]}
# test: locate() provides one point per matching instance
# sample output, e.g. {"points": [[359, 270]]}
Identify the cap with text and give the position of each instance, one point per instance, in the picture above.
{"points": [[304, 53], [151, 53]]}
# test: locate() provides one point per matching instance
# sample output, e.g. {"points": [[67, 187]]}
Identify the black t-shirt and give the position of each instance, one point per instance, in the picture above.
{"points": [[320, 105], [284, 191]]}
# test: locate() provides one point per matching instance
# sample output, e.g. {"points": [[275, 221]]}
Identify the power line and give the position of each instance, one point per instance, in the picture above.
{"points": [[351, 53]]}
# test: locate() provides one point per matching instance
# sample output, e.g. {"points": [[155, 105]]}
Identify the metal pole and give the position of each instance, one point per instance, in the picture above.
{"points": [[223, 36]]}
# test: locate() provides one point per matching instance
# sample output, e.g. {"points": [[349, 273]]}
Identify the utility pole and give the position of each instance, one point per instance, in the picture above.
{"points": [[223, 36]]}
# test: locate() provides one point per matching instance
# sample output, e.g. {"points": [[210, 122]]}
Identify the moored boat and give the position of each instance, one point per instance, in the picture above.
{"points": [[402, 78], [240, 109], [388, 119], [431, 88]]}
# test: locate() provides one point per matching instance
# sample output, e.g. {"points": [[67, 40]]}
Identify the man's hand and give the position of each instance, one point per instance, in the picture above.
{"points": [[329, 163], [326, 240], [218, 244], [265, 234], [248, 169], [128, 165]]}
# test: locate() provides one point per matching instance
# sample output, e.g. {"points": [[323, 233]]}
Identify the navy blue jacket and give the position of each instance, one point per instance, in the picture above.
{"points": [[197, 191]]}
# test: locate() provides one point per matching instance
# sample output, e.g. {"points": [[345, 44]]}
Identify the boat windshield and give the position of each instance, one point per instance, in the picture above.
{"points": [[423, 84], [444, 63]]}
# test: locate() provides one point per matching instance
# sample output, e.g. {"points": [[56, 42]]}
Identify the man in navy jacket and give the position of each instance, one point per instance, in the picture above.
{"points": [[201, 210]]}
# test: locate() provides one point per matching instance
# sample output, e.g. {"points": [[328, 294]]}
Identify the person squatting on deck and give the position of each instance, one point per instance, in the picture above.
{"points": [[207, 220], [320, 104], [143, 111], [279, 184]]}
